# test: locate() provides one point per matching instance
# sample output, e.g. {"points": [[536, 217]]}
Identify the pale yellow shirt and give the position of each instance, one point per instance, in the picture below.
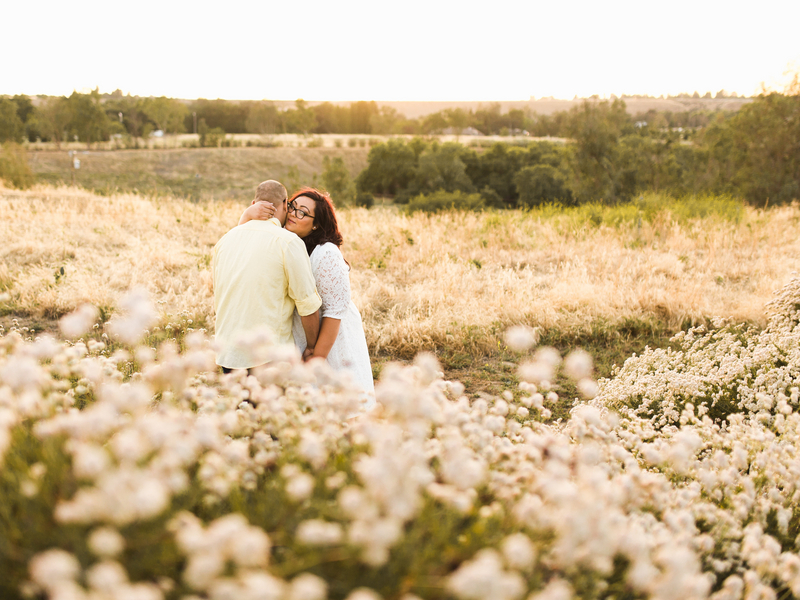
{"points": [[261, 272]]}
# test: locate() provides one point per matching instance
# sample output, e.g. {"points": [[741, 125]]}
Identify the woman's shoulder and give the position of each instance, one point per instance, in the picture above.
{"points": [[326, 249]]}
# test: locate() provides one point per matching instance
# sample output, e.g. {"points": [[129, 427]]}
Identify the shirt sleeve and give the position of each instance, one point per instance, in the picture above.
{"points": [[333, 282], [302, 288]]}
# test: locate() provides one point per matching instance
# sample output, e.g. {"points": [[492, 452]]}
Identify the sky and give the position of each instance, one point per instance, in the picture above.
{"points": [[411, 50]]}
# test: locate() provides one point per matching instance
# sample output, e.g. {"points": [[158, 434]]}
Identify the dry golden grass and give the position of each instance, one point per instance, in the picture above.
{"points": [[452, 281], [199, 173]]}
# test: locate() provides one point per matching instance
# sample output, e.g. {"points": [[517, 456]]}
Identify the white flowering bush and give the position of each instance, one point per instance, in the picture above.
{"points": [[133, 471]]}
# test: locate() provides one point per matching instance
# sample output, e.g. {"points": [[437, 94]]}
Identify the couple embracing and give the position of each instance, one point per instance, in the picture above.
{"points": [[282, 268]]}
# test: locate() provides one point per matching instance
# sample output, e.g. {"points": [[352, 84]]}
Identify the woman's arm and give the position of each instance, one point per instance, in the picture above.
{"points": [[258, 211], [328, 330], [333, 285]]}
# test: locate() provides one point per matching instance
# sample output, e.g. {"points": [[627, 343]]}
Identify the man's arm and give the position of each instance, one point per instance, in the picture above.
{"points": [[303, 290], [311, 329]]}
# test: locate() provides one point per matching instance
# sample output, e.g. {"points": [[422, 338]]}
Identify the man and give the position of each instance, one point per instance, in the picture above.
{"points": [[261, 273]]}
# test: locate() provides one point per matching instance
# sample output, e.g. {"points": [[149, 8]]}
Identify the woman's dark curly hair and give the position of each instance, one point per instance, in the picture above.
{"points": [[327, 227]]}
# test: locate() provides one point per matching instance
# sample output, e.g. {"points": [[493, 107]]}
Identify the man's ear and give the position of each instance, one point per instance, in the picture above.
{"points": [[253, 202]]}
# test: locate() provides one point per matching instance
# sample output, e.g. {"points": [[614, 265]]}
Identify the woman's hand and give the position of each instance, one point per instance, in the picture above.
{"points": [[258, 211]]}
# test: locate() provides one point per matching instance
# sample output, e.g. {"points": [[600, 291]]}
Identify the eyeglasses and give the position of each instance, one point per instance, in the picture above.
{"points": [[298, 212]]}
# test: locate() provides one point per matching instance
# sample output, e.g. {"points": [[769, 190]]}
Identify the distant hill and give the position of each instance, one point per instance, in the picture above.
{"points": [[547, 106]]}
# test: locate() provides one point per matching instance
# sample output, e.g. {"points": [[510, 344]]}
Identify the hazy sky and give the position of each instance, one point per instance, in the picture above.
{"points": [[407, 50]]}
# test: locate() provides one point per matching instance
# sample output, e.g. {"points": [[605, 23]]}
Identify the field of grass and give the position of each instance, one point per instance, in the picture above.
{"points": [[196, 173], [612, 280]]}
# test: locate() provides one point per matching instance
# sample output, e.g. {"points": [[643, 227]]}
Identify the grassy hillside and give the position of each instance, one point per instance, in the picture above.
{"points": [[202, 173]]}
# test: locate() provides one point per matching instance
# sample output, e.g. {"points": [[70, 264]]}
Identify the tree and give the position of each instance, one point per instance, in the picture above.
{"points": [[458, 119], [361, 114], [385, 121], [88, 120], [337, 181], [540, 184], [390, 168], [595, 128], [167, 114], [302, 118], [52, 118], [434, 123], [757, 151], [262, 118], [439, 168], [12, 128]]}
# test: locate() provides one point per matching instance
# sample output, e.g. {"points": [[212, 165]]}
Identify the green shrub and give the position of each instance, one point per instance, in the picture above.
{"points": [[441, 200], [337, 181], [542, 183], [365, 200], [352, 142], [14, 167], [315, 143]]}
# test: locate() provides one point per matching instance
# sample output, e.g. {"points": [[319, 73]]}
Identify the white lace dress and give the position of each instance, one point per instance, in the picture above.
{"points": [[349, 351]]}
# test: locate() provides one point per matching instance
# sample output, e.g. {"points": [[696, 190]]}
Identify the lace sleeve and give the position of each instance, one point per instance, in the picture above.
{"points": [[333, 281]]}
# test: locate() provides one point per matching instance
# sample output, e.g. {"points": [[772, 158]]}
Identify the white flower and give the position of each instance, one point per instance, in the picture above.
{"points": [[263, 586], [316, 532], [556, 589], [139, 315], [202, 569], [308, 587], [300, 487], [106, 541], [483, 577], [107, 575], [363, 593], [519, 551], [250, 548], [578, 364], [53, 567], [521, 338], [78, 322]]}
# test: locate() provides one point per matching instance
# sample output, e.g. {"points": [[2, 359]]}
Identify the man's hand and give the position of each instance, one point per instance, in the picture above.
{"points": [[308, 354], [258, 211]]}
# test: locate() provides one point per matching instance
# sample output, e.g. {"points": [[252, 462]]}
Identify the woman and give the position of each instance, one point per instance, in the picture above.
{"points": [[341, 338]]}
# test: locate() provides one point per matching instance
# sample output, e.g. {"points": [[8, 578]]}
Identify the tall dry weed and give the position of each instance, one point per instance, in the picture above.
{"points": [[453, 279]]}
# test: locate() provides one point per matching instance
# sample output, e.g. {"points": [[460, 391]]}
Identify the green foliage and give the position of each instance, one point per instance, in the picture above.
{"points": [[167, 114], [757, 151], [87, 119], [595, 129], [441, 200], [440, 168], [52, 118], [302, 119], [337, 181], [12, 128], [540, 184], [390, 170], [365, 199], [262, 118], [202, 132], [14, 167]]}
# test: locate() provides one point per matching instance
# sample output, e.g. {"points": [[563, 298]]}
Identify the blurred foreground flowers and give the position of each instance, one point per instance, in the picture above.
{"points": [[142, 473]]}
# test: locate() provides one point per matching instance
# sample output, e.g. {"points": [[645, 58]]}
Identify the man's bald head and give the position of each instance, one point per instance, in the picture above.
{"points": [[273, 191]]}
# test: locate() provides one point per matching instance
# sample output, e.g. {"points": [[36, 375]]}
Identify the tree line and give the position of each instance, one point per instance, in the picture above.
{"points": [[610, 157], [94, 117], [753, 154]]}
